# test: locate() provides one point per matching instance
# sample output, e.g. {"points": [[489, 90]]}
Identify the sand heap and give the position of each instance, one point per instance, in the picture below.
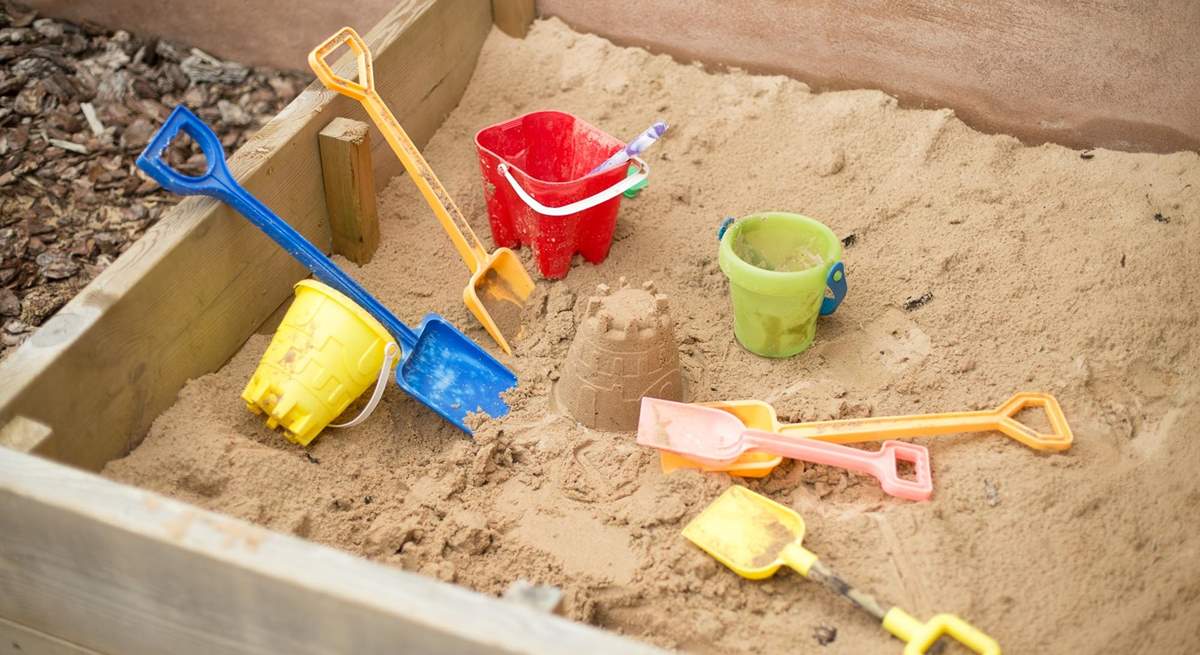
{"points": [[624, 349], [1044, 271]]}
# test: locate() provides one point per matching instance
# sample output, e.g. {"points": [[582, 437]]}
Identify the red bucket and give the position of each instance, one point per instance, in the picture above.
{"points": [[539, 193]]}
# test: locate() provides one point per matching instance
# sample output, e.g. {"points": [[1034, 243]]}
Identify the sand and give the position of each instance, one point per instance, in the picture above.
{"points": [[1047, 270]]}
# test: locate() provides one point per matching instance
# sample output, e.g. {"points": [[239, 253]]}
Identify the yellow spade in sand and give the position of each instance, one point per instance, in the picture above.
{"points": [[754, 536]]}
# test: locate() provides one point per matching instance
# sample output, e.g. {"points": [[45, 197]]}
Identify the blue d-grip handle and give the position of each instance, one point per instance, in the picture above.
{"points": [[217, 182], [836, 283]]}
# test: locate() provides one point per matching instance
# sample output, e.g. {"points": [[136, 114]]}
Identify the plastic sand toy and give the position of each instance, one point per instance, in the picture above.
{"points": [[440, 367], [755, 536], [712, 436], [326, 352], [540, 192], [758, 415], [499, 284], [779, 266]]}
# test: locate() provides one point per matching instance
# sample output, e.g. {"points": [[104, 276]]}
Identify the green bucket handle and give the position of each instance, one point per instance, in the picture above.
{"points": [[835, 281]]}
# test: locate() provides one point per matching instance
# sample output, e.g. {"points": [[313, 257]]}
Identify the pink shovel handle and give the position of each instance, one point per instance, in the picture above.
{"points": [[880, 464]]}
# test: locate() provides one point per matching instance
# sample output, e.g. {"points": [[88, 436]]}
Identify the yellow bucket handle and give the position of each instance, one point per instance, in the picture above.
{"points": [[390, 353]]}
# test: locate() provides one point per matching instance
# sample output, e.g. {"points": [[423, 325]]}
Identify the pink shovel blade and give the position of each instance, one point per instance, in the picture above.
{"points": [[701, 433]]}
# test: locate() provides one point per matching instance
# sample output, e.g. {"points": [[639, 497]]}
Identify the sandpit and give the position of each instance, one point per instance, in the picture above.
{"points": [[978, 267]]}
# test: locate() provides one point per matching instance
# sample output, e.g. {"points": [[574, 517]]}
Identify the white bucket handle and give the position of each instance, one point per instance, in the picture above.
{"points": [[579, 205], [390, 352]]}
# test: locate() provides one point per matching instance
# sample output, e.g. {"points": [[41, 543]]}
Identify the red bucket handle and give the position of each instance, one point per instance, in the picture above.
{"points": [[579, 205]]}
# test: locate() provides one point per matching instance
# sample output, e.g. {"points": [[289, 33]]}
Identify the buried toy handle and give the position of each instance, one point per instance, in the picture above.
{"points": [[390, 353]]}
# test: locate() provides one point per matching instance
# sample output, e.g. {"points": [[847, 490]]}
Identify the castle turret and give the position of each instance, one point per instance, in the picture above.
{"points": [[624, 349]]}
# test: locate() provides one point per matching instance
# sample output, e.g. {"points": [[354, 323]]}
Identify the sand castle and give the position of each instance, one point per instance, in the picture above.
{"points": [[624, 349]]}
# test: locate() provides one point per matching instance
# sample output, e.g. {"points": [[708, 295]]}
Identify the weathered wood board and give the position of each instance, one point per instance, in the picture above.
{"points": [[185, 296], [349, 180], [87, 564]]}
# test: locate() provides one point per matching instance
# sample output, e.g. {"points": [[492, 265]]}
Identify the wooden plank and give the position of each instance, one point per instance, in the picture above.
{"points": [[18, 639], [349, 182], [186, 295], [253, 33], [122, 570], [24, 434], [513, 17]]}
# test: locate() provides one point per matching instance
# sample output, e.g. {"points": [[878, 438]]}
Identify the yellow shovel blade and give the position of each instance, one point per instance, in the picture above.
{"points": [[751, 534], [754, 536], [496, 295]]}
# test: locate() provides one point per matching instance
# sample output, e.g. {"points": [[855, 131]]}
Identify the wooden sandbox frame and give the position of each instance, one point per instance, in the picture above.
{"points": [[88, 565], [91, 566]]}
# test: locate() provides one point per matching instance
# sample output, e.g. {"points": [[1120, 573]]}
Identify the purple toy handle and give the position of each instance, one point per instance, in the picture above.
{"points": [[633, 149]]}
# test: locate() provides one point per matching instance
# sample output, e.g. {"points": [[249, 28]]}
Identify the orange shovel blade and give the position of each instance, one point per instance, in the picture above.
{"points": [[496, 295]]}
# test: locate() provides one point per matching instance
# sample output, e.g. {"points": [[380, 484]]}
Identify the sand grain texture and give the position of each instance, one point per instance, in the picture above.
{"points": [[1047, 272]]}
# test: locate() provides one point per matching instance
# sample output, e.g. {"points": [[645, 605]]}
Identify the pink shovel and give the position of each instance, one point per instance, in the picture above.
{"points": [[714, 436]]}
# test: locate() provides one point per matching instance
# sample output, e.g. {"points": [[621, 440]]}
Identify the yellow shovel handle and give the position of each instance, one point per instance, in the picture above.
{"points": [[919, 637], [1001, 419], [448, 213]]}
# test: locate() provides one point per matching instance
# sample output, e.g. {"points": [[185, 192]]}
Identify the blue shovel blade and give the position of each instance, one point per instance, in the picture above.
{"points": [[452, 374]]}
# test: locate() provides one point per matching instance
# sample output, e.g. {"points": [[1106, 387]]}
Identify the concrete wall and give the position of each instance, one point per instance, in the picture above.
{"points": [[1102, 73]]}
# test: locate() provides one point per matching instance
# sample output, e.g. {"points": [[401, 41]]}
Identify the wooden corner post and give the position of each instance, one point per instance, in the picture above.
{"points": [[349, 188], [513, 17]]}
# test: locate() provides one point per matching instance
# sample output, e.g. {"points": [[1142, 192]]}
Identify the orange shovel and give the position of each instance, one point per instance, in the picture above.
{"points": [[499, 284], [759, 415]]}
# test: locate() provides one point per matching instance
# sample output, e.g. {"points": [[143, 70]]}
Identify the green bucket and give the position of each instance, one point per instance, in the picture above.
{"points": [[778, 266]]}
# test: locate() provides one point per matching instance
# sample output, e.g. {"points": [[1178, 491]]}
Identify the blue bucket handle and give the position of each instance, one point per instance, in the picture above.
{"points": [[835, 280], [217, 182]]}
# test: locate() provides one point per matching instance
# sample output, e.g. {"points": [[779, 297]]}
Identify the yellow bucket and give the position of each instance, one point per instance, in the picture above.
{"points": [[326, 352]]}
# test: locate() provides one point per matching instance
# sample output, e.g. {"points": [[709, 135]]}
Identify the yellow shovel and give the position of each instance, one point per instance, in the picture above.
{"points": [[754, 536], [499, 284]]}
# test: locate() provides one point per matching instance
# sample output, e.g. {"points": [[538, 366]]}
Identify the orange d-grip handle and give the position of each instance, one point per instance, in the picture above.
{"points": [[1058, 438], [1001, 419], [317, 60]]}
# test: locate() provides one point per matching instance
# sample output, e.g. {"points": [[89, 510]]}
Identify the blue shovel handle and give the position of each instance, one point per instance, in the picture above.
{"points": [[217, 182], [835, 280]]}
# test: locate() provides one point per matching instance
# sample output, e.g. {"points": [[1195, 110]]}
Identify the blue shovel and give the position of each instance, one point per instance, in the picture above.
{"points": [[440, 366]]}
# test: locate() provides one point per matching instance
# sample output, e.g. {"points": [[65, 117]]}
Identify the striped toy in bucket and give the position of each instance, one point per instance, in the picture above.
{"points": [[539, 190]]}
